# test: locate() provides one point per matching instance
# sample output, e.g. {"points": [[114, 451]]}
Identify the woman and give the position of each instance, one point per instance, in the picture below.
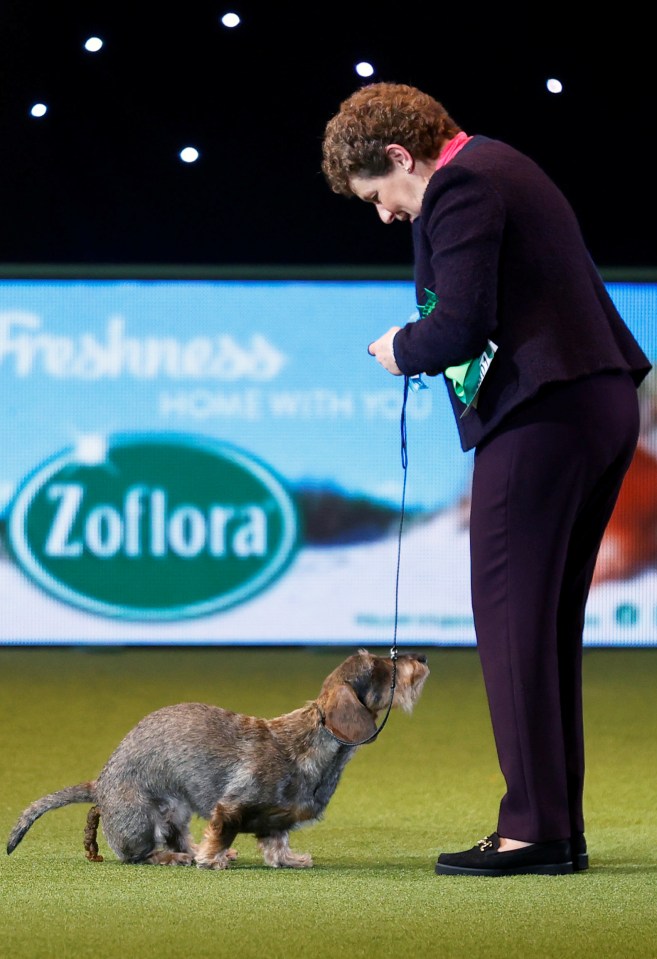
{"points": [[542, 374]]}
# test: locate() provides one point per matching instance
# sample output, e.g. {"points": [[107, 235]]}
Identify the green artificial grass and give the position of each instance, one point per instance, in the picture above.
{"points": [[429, 783]]}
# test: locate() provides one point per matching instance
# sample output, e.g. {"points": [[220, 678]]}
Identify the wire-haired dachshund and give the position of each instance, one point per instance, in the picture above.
{"points": [[241, 773]]}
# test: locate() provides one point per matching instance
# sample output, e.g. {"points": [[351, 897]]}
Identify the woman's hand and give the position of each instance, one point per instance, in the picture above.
{"points": [[382, 351]]}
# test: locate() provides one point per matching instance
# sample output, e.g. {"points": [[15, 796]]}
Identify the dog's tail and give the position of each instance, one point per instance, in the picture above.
{"points": [[83, 792]]}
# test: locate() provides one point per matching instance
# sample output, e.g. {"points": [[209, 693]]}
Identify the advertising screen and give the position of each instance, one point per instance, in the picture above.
{"points": [[220, 461]]}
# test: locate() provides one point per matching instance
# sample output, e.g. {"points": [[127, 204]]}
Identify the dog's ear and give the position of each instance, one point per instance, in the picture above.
{"points": [[345, 716]]}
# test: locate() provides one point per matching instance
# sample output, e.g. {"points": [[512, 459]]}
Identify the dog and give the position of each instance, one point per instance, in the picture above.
{"points": [[241, 773]]}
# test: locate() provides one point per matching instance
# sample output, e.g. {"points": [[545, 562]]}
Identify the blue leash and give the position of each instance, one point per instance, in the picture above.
{"points": [[393, 649]]}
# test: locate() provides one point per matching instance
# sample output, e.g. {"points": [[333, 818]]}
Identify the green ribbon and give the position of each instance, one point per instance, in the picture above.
{"points": [[468, 377]]}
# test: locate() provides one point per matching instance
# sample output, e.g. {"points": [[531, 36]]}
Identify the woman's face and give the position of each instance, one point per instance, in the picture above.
{"points": [[396, 195]]}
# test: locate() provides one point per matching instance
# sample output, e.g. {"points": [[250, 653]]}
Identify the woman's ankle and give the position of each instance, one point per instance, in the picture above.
{"points": [[506, 845]]}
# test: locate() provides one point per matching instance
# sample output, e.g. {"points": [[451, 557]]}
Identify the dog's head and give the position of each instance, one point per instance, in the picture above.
{"points": [[354, 694]]}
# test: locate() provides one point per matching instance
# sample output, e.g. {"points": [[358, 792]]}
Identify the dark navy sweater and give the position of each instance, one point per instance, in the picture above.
{"points": [[500, 247]]}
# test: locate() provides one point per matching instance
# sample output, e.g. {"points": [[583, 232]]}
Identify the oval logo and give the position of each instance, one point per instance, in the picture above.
{"points": [[153, 526]]}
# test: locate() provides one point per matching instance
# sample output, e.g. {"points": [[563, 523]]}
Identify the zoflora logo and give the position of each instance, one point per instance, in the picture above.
{"points": [[153, 526]]}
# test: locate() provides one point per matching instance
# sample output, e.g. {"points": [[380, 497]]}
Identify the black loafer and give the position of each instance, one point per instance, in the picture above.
{"points": [[539, 859]]}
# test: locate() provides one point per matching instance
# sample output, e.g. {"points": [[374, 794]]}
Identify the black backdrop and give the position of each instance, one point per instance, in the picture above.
{"points": [[98, 179]]}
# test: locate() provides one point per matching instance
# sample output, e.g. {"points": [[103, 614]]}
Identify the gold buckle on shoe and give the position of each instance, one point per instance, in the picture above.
{"points": [[484, 843]]}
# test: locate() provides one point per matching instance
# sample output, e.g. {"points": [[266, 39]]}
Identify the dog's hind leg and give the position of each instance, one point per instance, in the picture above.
{"points": [[172, 831], [276, 852], [172, 828], [214, 852], [136, 827], [91, 834]]}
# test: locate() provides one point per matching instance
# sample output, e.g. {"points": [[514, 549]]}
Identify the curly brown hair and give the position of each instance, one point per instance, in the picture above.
{"points": [[378, 114]]}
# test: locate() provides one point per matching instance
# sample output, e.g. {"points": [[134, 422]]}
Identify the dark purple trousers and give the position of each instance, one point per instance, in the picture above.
{"points": [[544, 487]]}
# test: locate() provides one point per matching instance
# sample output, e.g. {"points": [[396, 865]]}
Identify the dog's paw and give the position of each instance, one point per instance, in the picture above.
{"points": [[277, 854], [221, 861], [298, 860], [167, 858]]}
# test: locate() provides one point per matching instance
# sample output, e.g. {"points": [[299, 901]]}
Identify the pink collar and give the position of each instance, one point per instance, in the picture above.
{"points": [[452, 148]]}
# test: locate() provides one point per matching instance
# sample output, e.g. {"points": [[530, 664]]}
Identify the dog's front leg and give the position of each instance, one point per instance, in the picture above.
{"points": [[214, 852], [276, 852]]}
